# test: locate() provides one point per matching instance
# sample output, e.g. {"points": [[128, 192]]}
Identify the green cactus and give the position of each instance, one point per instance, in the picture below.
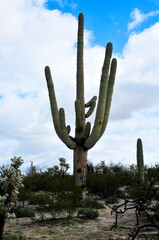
{"points": [[85, 138], [140, 161]]}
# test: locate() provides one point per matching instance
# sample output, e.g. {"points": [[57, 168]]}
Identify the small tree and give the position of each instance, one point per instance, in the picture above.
{"points": [[41, 199], [10, 182], [32, 170], [103, 169], [25, 195], [57, 171]]}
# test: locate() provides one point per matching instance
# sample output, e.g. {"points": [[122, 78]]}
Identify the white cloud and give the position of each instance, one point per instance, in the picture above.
{"points": [[33, 37], [138, 68], [138, 17]]}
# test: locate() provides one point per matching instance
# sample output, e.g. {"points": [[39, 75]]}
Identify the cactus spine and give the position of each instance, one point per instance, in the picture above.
{"points": [[84, 138], [140, 161]]}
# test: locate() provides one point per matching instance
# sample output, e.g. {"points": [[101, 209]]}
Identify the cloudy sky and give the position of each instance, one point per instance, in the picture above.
{"points": [[36, 33]]}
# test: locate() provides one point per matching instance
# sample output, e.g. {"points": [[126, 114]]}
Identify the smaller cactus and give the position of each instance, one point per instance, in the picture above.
{"points": [[140, 161]]}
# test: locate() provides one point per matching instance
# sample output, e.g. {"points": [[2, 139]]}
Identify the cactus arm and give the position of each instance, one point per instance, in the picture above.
{"points": [[87, 130], [91, 109], [109, 94], [91, 104], [58, 116], [53, 102], [64, 134], [68, 129], [95, 134], [79, 123], [140, 161], [88, 104]]}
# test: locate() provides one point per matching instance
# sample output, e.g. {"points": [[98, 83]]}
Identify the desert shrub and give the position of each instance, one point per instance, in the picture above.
{"points": [[111, 199], [91, 203], [40, 199], [65, 202], [90, 167], [156, 195], [117, 167], [128, 175], [136, 192], [49, 182], [11, 238], [88, 213], [32, 182], [104, 185], [25, 212], [139, 190], [153, 172], [60, 208], [74, 196], [69, 202], [56, 208], [63, 195], [25, 195]]}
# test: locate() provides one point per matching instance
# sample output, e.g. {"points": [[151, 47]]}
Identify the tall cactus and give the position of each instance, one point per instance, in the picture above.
{"points": [[85, 138], [140, 161]]}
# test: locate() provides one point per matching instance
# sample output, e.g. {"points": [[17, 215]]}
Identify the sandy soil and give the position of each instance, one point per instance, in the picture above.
{"points": [[74, 228]]}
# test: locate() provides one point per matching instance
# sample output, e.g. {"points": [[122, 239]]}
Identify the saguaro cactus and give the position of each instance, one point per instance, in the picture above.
{"points": [[140, 161], [85, 138]]}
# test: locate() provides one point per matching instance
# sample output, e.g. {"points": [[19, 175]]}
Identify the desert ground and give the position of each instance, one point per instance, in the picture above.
{"points": [[76, 228]]}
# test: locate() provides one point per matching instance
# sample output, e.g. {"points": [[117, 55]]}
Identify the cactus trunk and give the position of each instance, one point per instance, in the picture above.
{"points": [[80, 166], [85, 138]]}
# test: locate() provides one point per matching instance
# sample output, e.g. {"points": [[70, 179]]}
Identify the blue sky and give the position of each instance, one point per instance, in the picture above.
{"points": [[36, 33], [108, 19]]}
